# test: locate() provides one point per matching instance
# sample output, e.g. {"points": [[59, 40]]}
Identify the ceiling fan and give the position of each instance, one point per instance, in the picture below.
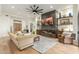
{"points": [[34, 9]]}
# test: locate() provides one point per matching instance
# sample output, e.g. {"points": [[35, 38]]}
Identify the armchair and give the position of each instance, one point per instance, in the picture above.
{"points": [[66, 38]]}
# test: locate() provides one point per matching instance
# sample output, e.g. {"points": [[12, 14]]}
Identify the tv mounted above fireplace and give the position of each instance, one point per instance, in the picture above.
{"points": [[49, 21]]}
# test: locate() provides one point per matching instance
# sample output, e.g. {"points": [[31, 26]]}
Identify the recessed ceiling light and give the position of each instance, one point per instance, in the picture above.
{"points": [[51, 6], [12, 6]]}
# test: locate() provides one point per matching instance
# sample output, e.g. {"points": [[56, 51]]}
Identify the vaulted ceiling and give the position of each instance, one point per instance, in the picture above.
{"points": [[20, 9]]}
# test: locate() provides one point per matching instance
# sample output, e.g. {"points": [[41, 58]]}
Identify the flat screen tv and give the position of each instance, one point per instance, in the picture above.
{"points": [[47, 21]]}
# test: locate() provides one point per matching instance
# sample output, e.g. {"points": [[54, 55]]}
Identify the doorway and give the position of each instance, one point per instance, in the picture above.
{"points": [[17, 26]]}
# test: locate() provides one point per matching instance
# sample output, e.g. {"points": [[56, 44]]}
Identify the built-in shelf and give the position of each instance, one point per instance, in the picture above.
{"points": [[65, 21], [65, 17]]}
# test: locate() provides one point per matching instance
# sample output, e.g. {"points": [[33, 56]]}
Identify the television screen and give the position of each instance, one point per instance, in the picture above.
{"points": [[47, 21]]}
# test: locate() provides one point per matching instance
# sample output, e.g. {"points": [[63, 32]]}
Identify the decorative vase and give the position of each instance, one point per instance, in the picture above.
{"points": [[59, 15], [70, 14]]}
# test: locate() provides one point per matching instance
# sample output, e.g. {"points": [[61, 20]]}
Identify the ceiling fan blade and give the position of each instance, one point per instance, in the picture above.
{"points": [[39, 10], [31, 7], [37, 13], [29, 12], [37, 7], [28, 9], [34, 6]]}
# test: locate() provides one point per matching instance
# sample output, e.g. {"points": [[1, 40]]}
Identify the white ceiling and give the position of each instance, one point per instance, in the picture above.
{"points": [[20, 9]]}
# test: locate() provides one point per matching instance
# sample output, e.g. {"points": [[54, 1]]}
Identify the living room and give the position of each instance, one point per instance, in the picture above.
{"points": [[38, 28]]}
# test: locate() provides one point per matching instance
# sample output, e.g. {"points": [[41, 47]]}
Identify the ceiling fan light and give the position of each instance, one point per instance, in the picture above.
{"points": [[34, 12]]}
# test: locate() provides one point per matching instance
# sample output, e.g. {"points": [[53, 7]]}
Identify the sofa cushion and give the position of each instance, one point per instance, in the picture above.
{"points": [[19, 33], [21, 37]]}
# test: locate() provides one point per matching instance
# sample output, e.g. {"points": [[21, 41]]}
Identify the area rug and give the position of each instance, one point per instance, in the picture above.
{"points": [[44, 44]]}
